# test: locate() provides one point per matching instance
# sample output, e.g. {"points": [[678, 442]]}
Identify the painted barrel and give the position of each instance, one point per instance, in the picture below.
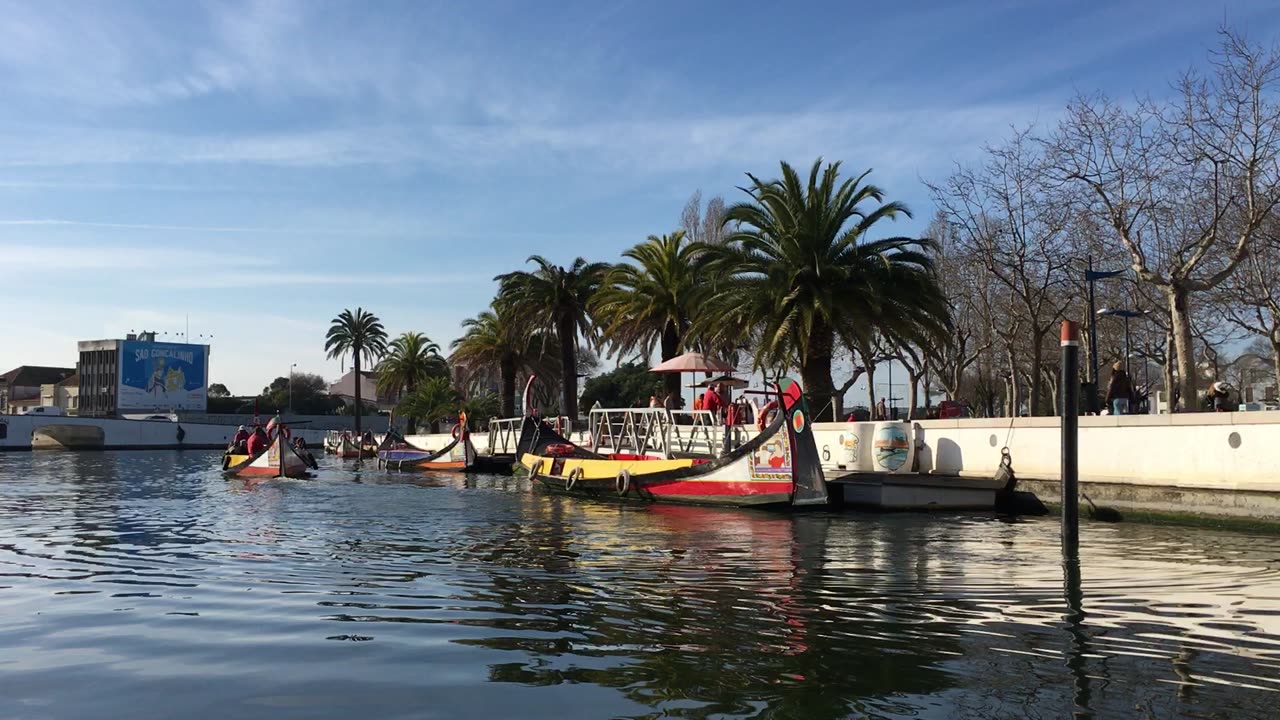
{"points": [[892, 448]]}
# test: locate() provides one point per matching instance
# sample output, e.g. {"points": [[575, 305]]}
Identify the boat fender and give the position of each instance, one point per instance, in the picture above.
{"points": [[574, 476], [535, 471], [623, 482], [226, 461], [457, 432], [181, 434]]}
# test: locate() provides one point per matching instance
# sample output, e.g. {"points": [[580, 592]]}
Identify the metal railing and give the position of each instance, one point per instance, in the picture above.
{"points": [[504, 433], [657, 431]]}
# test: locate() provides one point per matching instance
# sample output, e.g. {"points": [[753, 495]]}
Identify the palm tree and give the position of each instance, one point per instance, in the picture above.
{"points": [[411, 360], [800, 274], [434, 399], [558, 300], [495, 339], [654, 301], [361, 334]]}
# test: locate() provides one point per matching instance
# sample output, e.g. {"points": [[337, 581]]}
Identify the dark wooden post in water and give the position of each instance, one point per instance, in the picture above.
{"points": [[1069, 391]]}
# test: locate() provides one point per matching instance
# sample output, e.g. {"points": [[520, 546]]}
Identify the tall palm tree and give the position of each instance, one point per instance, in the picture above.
{"points": [[361, 334], [653, 301], [800, 275], [557, 299], [411, 360], [495, 340]]}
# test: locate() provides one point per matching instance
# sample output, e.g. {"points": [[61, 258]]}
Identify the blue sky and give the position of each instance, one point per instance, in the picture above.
{"points": [[258, 166]]}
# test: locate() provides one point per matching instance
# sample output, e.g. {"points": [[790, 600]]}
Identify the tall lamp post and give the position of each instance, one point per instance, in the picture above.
{"points": [[1091, 276], [291, 367], [1126, 314]]}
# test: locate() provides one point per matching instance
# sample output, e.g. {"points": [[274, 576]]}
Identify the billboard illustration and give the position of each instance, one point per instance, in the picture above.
{"points": [[162, 376]]}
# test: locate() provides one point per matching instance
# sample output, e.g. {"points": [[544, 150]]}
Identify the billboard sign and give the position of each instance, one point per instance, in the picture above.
{"points": [[162, 376]]}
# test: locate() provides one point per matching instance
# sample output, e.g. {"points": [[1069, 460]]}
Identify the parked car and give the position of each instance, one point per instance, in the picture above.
{"points": [[44, 410], [948, 409]]}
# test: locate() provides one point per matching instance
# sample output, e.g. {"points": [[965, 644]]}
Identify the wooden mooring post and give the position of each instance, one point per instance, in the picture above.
{"points": [[1069, 391]]}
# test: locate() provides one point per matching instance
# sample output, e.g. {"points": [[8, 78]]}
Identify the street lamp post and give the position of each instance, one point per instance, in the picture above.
{"points": [[291, 367], [1126, 314], [1091, 276]]}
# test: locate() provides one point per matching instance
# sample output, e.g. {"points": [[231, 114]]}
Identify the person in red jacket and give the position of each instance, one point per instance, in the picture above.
{"points": [[712, 401], [258, 441]]}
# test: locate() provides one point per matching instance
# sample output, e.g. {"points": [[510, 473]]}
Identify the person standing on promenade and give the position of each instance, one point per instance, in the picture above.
{"points": [[1119, 390], [881, 412]]}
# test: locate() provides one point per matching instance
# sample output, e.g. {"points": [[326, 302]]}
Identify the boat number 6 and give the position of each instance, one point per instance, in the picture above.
{"points": [[826, 452]]}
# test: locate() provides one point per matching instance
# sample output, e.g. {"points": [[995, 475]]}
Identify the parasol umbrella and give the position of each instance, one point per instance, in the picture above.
{"points": [[692, 362], [726, 380]]}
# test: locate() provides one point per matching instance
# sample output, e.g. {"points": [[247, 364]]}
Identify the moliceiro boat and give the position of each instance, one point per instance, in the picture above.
{"points": [[279, 459], [396, 453], [778, 467]]}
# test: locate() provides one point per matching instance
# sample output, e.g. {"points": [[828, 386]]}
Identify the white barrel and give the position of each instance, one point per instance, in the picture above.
{"points": [[892, 448]]}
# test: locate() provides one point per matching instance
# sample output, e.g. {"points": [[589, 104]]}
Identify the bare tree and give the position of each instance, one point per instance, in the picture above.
{"points": [[1017, 225], [1250, 299], [703, 226], [1185, 184], [963, 280]]}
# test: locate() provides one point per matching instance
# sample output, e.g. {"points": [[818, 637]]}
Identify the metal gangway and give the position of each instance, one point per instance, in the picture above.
{"points": [[658, 431], [504, 433]]}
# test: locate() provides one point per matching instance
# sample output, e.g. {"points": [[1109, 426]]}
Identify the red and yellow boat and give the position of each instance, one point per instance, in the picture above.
{"points": [[279, 459], [779, 467]]}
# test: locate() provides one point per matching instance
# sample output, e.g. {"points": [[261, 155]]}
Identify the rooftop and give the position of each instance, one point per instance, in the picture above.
{"points": [[35, 375]]}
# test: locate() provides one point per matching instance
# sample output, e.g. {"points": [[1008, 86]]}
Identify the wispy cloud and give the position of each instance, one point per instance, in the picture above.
{"points": [[48, 222]]}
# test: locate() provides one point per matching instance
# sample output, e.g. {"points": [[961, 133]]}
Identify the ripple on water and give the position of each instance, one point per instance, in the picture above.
{"points": [[143, 584]]}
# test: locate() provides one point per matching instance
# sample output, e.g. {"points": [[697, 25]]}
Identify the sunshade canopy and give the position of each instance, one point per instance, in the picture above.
{"points": [[692, 362]]}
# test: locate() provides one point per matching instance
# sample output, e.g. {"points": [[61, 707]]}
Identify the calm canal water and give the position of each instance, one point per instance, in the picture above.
{"points": [[143, 585]]}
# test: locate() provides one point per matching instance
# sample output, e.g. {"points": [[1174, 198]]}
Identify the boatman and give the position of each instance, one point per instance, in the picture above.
{"points": [[238, 443]]}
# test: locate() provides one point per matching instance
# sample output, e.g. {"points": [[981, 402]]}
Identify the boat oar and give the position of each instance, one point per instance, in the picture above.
{"points": [[1105, 514]]}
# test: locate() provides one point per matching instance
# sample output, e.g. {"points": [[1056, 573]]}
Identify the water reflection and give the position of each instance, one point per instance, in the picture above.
{"points": [[132, 579]]}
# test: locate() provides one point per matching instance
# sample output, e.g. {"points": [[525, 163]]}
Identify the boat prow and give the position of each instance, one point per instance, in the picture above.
{"points": [[397, 453]]}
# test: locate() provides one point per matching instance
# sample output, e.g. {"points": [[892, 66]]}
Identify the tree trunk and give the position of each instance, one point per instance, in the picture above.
{"points": [[1170, 358], [871, 388], [567, 333], [912, 395], [928, 394], [359, 409], [1275, 358], [815, 372], [507, 386], [1037, 382], [1013, 398], [671, 346], [1180, 314]]}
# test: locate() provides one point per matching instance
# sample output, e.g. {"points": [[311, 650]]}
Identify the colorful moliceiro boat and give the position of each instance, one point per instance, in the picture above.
{"points": [[396, 453], [779, 467], [280, 459]]}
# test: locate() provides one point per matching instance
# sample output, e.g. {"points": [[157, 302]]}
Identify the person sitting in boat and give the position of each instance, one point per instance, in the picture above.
{"points": [[258, 441], [300, 444], [366, 438], [240, 440]]}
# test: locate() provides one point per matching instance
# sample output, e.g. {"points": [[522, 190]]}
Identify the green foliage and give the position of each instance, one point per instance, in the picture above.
{"points": [[556, 299], [630, 385], [310, 397], [218, 390], [433, 401], [659, 294], [495, 349], [411, 360], [799, 273], [480, 408], [361, 334]]}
